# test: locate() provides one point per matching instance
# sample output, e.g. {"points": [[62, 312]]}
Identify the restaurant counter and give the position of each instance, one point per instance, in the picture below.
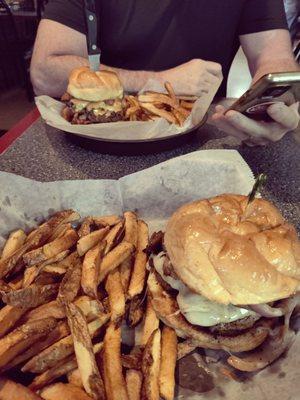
{"points": [[46, 154]]}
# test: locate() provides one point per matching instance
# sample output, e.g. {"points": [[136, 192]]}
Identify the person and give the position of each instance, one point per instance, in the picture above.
{"points": [[188, 43]]}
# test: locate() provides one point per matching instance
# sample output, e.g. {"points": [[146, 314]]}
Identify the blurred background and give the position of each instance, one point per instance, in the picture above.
{"points": [[18, 25]]}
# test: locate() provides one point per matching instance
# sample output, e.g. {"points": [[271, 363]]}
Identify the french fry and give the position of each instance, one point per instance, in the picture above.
{"points": [[32, 272], [35, 239], [61, 349], [85, 243], [110, 220], [16, 282], [157, 98], [32, 296], [74, 377], [9, 316], [168, 363], [131, 236], [69, 261], [132, 101], [185, 348], [171, 92], [91, 379], [59, 391], [131, 228], [133, 360], [115, 385], [29, 275], [54, 223], [55, 269], [131, 111], [70, 284], [151, 323], [4, 287], [52, 309], [61, 368], [151, 367], [134, 381], [136, 310], [116, 296], [113, 238], [125, 272], [85, 227], [159, 112], [60, 331], [137, 281], [91, 269], [51, 249], [14, 242], [179, 117], [60, 231], [21, 338], [45, 279], [114, 258], [10, 390], [91, 308], [186, 104]]}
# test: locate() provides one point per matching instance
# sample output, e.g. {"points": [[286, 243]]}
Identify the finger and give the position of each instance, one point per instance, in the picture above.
{"points": [[220, 109], [211, 79], [252, 143], [214, 68], [286, 116], [248, 126], [220, 122]]}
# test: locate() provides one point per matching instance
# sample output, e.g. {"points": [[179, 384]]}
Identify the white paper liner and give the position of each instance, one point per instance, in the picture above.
{"points": [[50, 110], [155, 193]]}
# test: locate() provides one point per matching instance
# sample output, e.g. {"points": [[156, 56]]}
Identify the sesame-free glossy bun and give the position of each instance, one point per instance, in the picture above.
{"points": [[234, 252], [88, 85]]}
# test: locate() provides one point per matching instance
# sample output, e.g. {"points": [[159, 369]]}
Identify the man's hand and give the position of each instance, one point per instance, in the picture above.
{"points": [[192, 78], [286, 118]]}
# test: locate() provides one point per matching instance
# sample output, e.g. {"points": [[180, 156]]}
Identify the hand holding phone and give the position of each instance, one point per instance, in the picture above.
{"points": [[272, 88]]}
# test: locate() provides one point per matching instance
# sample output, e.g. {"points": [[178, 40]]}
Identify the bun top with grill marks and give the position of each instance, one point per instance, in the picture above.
{"points": [[234, 252]]}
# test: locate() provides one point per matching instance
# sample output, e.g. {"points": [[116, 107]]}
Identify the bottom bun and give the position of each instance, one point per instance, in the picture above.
{"points": [[168, 311]]}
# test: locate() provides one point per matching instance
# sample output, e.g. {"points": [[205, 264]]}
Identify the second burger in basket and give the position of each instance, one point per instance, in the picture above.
{"points": [[97, 97], [93, 97]]}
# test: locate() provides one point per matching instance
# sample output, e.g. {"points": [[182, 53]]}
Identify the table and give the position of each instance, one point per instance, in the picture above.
{"points": [[46, 154]]}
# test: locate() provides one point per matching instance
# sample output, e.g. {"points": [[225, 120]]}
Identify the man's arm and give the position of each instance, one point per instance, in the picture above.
{"points": [[268, 51], [59, 49]]}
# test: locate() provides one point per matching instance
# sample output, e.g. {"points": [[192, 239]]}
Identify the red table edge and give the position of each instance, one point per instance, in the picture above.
{"points": [[16, 131]]}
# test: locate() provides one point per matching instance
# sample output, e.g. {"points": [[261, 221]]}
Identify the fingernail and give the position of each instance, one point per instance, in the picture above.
{"points": [[232, 115]]}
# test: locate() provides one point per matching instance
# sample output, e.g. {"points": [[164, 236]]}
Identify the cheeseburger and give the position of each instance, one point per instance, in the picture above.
{"points": [[93, 97], [226, 276]]}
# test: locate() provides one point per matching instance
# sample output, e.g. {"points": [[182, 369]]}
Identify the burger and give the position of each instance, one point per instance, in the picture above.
{"points": [[93, 97], [226, 276]]}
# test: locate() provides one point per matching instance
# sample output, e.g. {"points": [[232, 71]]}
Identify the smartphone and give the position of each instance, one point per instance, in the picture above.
{"points": [[271, 88]]}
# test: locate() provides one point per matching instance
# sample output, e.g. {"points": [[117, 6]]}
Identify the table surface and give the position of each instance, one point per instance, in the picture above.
{"points": [[46, 154]]}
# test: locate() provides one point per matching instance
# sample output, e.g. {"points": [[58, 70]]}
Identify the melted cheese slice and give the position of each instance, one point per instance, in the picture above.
{"points": [[197, 309], [99, 107]]}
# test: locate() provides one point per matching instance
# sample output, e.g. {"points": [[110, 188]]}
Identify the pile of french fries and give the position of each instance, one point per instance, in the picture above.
{"points": [[151, 105], [68, 289]]}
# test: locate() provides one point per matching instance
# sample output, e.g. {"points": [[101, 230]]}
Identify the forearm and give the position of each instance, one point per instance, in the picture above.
{"points": [[51, 78], [132, 81]]}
